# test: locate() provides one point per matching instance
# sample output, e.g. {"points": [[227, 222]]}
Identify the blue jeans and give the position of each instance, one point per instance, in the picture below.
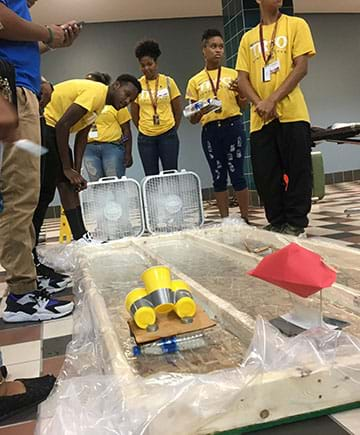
{"points": [[164, 147], [104, 160], [224, 145]]}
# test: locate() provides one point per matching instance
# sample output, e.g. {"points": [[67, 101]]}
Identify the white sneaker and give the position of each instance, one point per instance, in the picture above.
{"points": [[87, 239], [34, 306]]}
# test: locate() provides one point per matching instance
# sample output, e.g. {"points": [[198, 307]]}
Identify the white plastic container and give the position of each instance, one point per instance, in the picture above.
{"points": [[211, 104]]}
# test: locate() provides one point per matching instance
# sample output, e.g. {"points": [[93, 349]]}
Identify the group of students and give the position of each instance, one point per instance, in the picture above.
{"points": [[157, 112], [272, 60]]}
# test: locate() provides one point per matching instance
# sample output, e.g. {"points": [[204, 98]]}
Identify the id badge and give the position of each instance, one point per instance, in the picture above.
{"points": [[219, 110], [93, 133], [156, 119], [266, 73], [274, 67]]}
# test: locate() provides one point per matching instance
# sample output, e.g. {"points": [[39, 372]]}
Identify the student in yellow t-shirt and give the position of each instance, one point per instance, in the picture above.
{"points": [[108, 152], [223, 136], [73, 108], [272, 60], [156, 112]]}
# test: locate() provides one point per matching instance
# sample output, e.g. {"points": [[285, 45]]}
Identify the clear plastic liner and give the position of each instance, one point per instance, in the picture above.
{"points": [[259, 242], [225, 274], [272, 351], [103, 389], [60, 256]]}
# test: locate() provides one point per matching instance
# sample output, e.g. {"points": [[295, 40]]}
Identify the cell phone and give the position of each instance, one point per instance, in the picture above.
{"points": [[79, 24]]}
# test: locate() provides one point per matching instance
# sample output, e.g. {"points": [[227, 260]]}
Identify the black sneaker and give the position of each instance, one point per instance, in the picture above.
{"points": [[50, 280], [37, 390], [291, 230], [35, 306]]}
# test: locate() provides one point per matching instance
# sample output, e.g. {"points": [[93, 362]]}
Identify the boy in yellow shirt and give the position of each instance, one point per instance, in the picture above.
{"points": [[272, 60], [223, 137], [74, 106]]}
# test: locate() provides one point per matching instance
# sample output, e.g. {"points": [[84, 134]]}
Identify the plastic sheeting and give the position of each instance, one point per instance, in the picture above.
{"points": [[59, 256], [87, 401], [103, 390], [259, 242]]}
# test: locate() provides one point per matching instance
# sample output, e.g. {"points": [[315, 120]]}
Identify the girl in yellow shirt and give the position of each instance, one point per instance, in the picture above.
{"points": [[108, 151], [223, 136], [156, 112]]}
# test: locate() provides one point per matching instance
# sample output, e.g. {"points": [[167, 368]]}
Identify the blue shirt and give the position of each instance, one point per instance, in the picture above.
{"points": [[25, 56]]}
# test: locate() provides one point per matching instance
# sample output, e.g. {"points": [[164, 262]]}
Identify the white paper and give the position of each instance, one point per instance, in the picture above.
{"points": [[275, 66], [163, 92], [345, 124], [31, 147]]}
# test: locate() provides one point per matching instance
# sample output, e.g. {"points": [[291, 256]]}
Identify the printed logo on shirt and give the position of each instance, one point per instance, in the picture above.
{"points": [[162, 94], [281, 43], [206, 87]]}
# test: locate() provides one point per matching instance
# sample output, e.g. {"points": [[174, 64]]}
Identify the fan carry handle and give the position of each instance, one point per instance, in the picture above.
{"points": [[171, 171], [113, 178]]}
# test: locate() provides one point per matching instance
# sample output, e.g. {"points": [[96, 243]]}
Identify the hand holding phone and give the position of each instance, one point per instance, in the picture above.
{"points": [[72, 30]]}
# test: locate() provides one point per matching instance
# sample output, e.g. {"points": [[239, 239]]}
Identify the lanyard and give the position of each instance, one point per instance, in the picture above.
{"points": [[152, 98], [215, 89], [272, 44]]}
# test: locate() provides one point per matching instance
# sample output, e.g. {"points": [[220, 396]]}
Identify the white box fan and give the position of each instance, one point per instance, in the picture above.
{"points": [[172, 201], [112, 208]]}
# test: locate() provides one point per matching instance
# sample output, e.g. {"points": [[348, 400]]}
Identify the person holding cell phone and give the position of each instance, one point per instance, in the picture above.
{"points": [[156, 112], [223, 136], [21, 43]]}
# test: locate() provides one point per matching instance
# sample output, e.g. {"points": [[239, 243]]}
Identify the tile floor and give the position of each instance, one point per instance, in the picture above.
{"points": [[33, 349]]}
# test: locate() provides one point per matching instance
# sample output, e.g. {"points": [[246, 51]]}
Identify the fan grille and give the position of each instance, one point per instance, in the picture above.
{"points": [[172, 202], [112, 209]]}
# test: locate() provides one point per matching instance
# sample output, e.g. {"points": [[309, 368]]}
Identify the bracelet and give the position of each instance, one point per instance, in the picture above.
{"points": [[51, 36]]}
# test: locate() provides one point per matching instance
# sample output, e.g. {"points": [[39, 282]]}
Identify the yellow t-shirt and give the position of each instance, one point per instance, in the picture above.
{"points": [[107, 127], [86, 93], [199, 87], [293, 39], [167, 91]]}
